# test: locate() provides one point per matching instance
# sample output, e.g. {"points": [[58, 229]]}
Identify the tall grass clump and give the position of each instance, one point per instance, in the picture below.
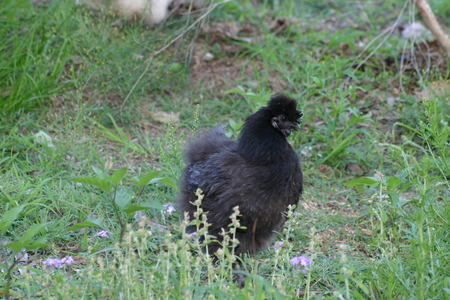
{"points": [[158, 263], [35, 51], [409, 215]]}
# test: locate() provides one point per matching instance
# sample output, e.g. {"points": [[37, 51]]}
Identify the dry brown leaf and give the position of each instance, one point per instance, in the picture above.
{"points": [[108, 163], [5, 92], [367, 231], [231, 30], [279, 25], [324, 169], [82, 260], [354, 168]]}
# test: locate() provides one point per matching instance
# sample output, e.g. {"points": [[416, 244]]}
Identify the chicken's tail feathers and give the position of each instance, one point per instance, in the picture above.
{"points": [[219, 130], [210, 143]]}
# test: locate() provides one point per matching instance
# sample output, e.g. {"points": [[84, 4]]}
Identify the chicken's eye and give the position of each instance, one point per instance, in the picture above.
{"points": [[282, 118]]}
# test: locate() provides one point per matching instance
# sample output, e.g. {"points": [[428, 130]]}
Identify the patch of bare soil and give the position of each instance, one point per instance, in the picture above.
{"points": [[217, 71], [219, 74], [221, 71]]}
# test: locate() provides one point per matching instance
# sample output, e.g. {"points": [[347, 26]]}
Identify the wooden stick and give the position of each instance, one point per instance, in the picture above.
{"points": [[430, 21]]}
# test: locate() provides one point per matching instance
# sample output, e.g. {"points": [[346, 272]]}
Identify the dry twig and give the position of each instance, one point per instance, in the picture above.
{"points": [[385, 34], [430, 21]]}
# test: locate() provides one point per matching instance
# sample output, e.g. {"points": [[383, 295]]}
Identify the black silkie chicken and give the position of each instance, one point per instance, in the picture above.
{"points": [[260, 173]]}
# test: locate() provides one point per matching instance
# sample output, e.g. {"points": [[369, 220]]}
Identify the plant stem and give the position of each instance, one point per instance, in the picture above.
{"points": [[8, 279], [119, 218]]}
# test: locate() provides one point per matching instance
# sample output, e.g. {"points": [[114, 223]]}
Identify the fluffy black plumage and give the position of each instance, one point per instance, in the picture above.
{"points": [[260, 173]]}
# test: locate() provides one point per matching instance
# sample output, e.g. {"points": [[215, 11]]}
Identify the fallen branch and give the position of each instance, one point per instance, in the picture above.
{"points": [[430, 21]]}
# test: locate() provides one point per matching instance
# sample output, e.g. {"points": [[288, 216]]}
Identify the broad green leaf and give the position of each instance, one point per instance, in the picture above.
{"points": [[16, 246], [145, 179], [118, 175], [104, 184], [123, 197], [152, 204], [402, 201], [319, 82], [134, 208], [393, 182], [359, 189], [32, 231], [170, 183], [350, 72], [167, 181], [9, 217], [155, 180], [90, 222], [361, 181], [173, 67], [39, 243], [24, 241], [398, 201], [136, 182], [405, 186], [100, 173], [394, 198], [232, 123]]}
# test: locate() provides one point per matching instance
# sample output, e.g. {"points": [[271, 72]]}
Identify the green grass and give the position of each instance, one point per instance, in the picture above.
{"points": [[380, 231]]}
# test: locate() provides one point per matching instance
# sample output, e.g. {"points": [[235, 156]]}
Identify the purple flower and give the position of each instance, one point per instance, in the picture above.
{"points": [[278, 245], [302, 260], [192, 234], [169, 209], [102, 233], [68, 260], [58, 263], [53, 262]]}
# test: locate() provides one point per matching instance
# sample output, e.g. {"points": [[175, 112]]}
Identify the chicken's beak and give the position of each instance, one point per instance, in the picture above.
{"points": [[295, 126]]}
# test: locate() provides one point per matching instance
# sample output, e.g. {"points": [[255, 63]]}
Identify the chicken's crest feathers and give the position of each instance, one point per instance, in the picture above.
{"points": [[281, 104], [260, 139]]}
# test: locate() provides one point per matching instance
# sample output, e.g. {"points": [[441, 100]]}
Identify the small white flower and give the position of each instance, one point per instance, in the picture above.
{"points": [[44, 139]]}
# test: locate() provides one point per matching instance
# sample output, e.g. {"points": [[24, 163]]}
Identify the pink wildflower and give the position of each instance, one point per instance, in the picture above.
{"points": [[58, 263], [302, 260], [278, 245], [192, 234], [103, 233]]}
